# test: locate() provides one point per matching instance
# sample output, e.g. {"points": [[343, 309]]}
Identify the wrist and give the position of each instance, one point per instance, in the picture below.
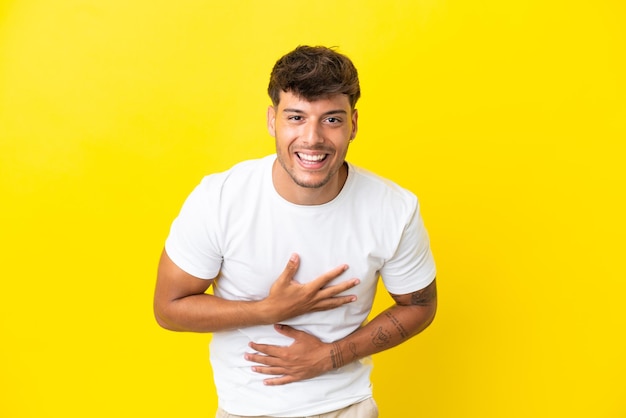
{"points": [[337, 359], [266, 312]]}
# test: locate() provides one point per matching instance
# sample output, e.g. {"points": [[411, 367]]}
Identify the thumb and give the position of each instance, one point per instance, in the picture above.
{"points": [[288, 331], [290, 269]]}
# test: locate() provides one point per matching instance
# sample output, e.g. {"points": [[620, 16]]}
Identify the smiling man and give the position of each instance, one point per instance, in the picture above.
{"points": [[311, 145], [292, 340]]}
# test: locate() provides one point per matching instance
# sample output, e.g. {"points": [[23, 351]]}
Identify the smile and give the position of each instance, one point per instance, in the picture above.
{"points": [[311, 158]]}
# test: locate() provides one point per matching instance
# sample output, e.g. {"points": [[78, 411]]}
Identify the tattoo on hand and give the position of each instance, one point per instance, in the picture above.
{"points": [[397, 324]]}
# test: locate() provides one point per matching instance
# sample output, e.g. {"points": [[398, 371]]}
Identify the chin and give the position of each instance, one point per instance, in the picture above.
{"points": [[311, 184]]}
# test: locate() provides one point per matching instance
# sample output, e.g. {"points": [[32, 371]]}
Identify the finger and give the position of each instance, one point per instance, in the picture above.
{"points": [[283, 380], [333, 302], [290, 332], [290, 269], [267, 349], [335, 289], [327, 298], [262, 360], [275, 371], [327, 277]]}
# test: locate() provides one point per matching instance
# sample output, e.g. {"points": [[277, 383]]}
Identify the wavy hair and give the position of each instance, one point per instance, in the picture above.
{"points": [[314, 72]]}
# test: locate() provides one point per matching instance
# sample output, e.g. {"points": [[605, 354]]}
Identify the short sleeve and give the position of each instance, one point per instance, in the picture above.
{"points": [[412, 267], [192, 243]]}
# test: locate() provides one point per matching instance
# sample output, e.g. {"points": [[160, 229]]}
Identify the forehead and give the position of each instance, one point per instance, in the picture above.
{"points": [[288, 101]]}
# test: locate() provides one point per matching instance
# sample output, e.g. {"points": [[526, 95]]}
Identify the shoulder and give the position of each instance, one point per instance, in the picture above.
{"points": [[239, 175], [381, 190]]}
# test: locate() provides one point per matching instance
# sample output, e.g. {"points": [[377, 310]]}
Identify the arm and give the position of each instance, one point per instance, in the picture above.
{"points": [[181, 304], [308, 357]]}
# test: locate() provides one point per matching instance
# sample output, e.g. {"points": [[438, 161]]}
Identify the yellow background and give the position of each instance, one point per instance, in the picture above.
{"points": [[506, 118]]}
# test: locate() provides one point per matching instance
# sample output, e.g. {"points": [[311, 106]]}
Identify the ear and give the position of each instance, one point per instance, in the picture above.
{"points": [[271, 120], [355, 124]]}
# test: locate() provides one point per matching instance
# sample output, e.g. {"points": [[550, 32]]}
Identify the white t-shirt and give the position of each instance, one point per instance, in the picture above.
{"points": [[236, 227]]}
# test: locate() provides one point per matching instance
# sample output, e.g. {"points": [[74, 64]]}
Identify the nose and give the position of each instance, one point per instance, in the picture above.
{"points": [[312, 134]]}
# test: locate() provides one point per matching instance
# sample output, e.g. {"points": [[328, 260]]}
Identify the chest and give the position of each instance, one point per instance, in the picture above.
{"points": [[257, 241]]}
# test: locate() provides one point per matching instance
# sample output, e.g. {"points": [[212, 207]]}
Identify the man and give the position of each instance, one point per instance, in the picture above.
{"points": [[292, 341]]}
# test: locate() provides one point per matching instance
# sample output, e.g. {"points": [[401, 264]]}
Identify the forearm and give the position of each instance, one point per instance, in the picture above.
{"points": [[392, 327], [182, 304], [308, 356], [408, 317], [209, 313]]}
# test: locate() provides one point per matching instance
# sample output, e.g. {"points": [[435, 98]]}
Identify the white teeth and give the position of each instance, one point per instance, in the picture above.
{"points": [[311, 158]]}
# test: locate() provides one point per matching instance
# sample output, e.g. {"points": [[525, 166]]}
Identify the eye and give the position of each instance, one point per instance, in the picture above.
{"points": [[333, 120], [295, 118]]}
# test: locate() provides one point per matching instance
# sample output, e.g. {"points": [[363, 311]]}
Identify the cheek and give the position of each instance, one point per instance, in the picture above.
{"points": [[285, 135], [283, 143]]}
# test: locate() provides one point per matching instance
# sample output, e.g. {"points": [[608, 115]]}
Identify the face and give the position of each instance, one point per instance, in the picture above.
{"points": [[312, 140]]}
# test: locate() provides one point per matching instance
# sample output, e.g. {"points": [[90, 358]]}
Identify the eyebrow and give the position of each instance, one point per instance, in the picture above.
{"points": [[330, 112]]}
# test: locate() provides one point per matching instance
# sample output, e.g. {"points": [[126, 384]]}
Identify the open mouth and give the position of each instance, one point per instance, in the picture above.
{"points": [[311, 159]]}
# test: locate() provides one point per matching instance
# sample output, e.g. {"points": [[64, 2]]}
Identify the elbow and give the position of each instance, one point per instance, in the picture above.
{"points": [[160, 315], [426, 317], [427, 314], [163, 324], [431, 305], [432, 313]]}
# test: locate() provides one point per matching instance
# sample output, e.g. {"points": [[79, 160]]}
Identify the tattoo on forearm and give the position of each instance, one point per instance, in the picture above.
{"points": [[397, 324], [336, 356], [380, 337], [352, 347]]}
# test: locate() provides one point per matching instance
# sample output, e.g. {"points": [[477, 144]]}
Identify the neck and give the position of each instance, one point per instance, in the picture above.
{"points": [[307, 196]]}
